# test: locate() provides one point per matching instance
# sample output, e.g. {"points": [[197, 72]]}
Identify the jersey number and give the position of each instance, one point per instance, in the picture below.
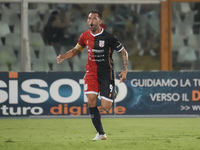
{"points": [[111, 88]]}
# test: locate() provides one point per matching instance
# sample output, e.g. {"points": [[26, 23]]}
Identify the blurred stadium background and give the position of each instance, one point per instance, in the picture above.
{"points": [[159, 35], [153, 31]]}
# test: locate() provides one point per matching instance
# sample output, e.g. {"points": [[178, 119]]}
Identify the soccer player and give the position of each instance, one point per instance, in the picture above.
{"points": [[99, 77]]}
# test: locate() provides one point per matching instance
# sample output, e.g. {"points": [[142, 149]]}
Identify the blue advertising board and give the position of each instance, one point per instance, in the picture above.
{"points": [[162, 93], [62, 93]]}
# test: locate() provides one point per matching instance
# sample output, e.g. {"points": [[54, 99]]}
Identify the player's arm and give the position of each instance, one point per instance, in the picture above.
{"points": [[69, 54], [124, 56]]}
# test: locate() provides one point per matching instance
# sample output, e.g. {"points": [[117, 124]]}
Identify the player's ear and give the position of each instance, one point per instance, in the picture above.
{"points": [[100, 21]]}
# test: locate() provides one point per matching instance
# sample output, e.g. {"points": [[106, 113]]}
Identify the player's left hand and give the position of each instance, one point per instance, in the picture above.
{"points": [[122, 76]]}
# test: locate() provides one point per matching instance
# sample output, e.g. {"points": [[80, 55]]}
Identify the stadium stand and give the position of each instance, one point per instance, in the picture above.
{"points": [[1, 43], [11, 15], [193, 41], [36, 40], [127, 19], [15, 38], [179, 41], [6, 53], [16, 66], [33, 19], [33, 55], [64, 66], [3, 66], [77, 64], [49, 54], [195, 65], [39, 65], [4, 29]]}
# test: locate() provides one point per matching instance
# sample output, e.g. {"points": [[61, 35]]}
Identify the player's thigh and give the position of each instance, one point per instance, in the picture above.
{"points": [[91, 85], [106, 105]]}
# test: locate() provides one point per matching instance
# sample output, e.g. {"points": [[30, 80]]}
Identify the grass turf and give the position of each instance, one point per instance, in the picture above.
{"points": [[123, 134]]}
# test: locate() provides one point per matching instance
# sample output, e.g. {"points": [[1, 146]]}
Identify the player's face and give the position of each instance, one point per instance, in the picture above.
{"points": [[94, 22]]}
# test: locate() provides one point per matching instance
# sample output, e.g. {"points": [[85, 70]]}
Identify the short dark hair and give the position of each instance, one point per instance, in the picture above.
{"points": [[96, 12]]}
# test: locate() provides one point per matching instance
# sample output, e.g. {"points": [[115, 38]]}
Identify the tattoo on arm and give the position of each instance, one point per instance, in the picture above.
{"points": [[124, 56]]}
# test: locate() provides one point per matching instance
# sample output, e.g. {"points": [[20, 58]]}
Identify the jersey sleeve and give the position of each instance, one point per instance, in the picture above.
{"points": [[80, 44], [81, 41], [115, 44], [78, 47]]}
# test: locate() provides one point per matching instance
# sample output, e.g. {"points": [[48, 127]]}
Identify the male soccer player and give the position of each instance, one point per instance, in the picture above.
{"points": [[99, 78]]}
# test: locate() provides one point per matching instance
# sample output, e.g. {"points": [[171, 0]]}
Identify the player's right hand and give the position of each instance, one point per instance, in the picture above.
{"points": [[59, 59]]}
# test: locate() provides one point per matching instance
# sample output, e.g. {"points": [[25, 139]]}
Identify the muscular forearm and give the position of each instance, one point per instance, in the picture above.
{"points": [[71, 53], [123, 74], [124, 56]]}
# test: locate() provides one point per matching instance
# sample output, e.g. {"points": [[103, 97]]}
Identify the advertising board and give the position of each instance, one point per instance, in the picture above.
{"points": [[62, 93]]}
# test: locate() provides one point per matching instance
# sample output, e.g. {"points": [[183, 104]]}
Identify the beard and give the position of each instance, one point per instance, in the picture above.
{"points": [[93, 27]]}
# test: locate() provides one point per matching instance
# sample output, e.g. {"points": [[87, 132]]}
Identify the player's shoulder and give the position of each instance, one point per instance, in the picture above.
{"points": [[105, 32], [108, 35], [86, 32]]}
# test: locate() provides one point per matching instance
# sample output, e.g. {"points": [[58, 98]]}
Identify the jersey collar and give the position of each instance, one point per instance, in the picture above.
{"points": [[97, 33]]}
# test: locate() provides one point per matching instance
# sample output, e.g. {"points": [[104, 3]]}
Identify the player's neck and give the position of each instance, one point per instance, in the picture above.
{"points": [[97, 31]]}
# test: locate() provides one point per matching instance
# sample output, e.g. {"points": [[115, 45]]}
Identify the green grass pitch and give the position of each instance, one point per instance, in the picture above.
{"points": [[123, 134]]}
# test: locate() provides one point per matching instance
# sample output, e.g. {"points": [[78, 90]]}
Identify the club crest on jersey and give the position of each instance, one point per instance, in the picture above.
{"points": [[101, 43]]}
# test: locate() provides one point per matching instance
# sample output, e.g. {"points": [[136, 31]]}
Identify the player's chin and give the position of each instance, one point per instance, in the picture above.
{"points": [[91, 28]]}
